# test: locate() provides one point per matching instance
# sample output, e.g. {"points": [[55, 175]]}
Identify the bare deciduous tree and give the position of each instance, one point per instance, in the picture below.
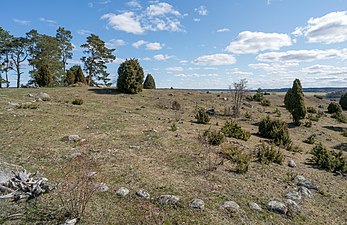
{"points": [[239, 90]]}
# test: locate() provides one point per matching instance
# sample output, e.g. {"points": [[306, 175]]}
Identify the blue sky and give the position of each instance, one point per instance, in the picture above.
{"points": [[203, 43]]}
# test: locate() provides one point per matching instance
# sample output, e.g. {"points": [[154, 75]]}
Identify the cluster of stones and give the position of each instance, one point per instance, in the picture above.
{"points": [[292, 199]]}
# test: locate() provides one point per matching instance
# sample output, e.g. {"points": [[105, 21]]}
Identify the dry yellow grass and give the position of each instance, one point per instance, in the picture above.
{"points": [[130, 138]]}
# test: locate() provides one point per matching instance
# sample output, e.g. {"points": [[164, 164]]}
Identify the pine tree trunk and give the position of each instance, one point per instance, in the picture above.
{"points": [[90, 76]]}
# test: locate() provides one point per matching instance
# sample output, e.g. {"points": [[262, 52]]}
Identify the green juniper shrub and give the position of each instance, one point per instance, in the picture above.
{"points": [[236, 155], [313, 117], [310, 140], [340, 117], [130, 77], [259, 95], [266, 154], [343, 101], [77, 101], [265, 102], [214, 137], [294, 102], [149, 82], [276, 130], [311, 109], [201, 116], [328, 160], [334, 107], [232, 129]]}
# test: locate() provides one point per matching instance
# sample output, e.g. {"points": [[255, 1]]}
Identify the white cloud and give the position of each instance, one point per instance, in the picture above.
{"points": [[139, 43], [330, 28], [162, 57], [134, 4], [127, 22], [196, 20], [201, 10], [22, 22], [113, 43], [47, 20], [84, 32], [248, 42], [146, 59], [175, 69], [297, 32], [184, 61], [161, 9], [302, 55], [118, 61], [159, 16], [154, 46], [223, 30], [215, 60], [197, 75], [325, 70]]}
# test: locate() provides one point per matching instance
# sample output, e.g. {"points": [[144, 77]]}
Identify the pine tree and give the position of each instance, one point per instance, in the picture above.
{"points": [[43, 77], [130, 77], [149, 82], [295, 103]]}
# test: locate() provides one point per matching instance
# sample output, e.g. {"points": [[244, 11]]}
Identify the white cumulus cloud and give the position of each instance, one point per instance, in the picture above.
{"points": [[201, 10], [161, 57], [113, 43], [223, 30], [154, 46], [139, 43], [330, 28], [161, 9], [248, 42], [215, 60], [127, 22], [302, 55]]}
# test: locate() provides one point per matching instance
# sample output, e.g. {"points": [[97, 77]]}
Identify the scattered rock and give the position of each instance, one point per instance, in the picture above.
{"points": [[167, 199], [74, 138], [291, 163], [308, 184], [135, 147], [101, 187], [123, 191], [277, 207], [225, 99], [71, 221], [197, 203], [91, 174], [143, 194], [305, 192], [13, 104], [294, 195], [75, 155], [300, 178], [254, 206], [292, 205], [30, 95], [211, 112], [230, 206], [43, 96]]}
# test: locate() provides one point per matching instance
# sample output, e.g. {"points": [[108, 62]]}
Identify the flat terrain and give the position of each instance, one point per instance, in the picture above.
{"points": [[129, 138]]}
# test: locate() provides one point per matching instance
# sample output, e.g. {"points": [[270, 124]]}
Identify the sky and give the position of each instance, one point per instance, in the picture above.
{"points": [[202, 43]]}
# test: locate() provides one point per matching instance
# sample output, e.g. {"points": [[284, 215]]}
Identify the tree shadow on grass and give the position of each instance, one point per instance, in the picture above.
{"points": [[105, 91], [337, 129]]}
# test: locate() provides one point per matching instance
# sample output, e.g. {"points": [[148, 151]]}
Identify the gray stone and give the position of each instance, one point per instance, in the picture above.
{"points": [[71, 221], [101, 187], [74, 138], [168, 199], [30, 95], [308, 184], [292, 205], [300, 178], [143, 194], [43, 96], [277, 207], [305, 192], [230, 206], [294, 195], [197, 203], [123, 191], [254, 206], [291, 163]]}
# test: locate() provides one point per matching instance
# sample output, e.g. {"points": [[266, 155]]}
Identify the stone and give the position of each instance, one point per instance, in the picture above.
{"points": [[168, 199], [300, 178], [308, 184], [305, 192], [71, 221], [75, 155], [101, 187], [74, 138], [197, 203], [230, 206], [292, 205], [123, 191], [294, 195], [30, 95], [43, 96], [143, 194], [277, 207], [254, 206], [211, 112], [291, 163]]}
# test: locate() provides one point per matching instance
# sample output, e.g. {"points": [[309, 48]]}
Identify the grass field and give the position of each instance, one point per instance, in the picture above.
{"points": [[130, 142]]}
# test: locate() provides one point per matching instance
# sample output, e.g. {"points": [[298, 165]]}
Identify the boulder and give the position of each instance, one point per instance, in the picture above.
{"points": [[143, 194], [308, 184], [277, 207], [254, 206], [294, 195], [123, 191], [74, 138], [168, 199], [305, 192], [43, 96], [230, 206], [291, 163], [101, 187], [197, 203]]}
